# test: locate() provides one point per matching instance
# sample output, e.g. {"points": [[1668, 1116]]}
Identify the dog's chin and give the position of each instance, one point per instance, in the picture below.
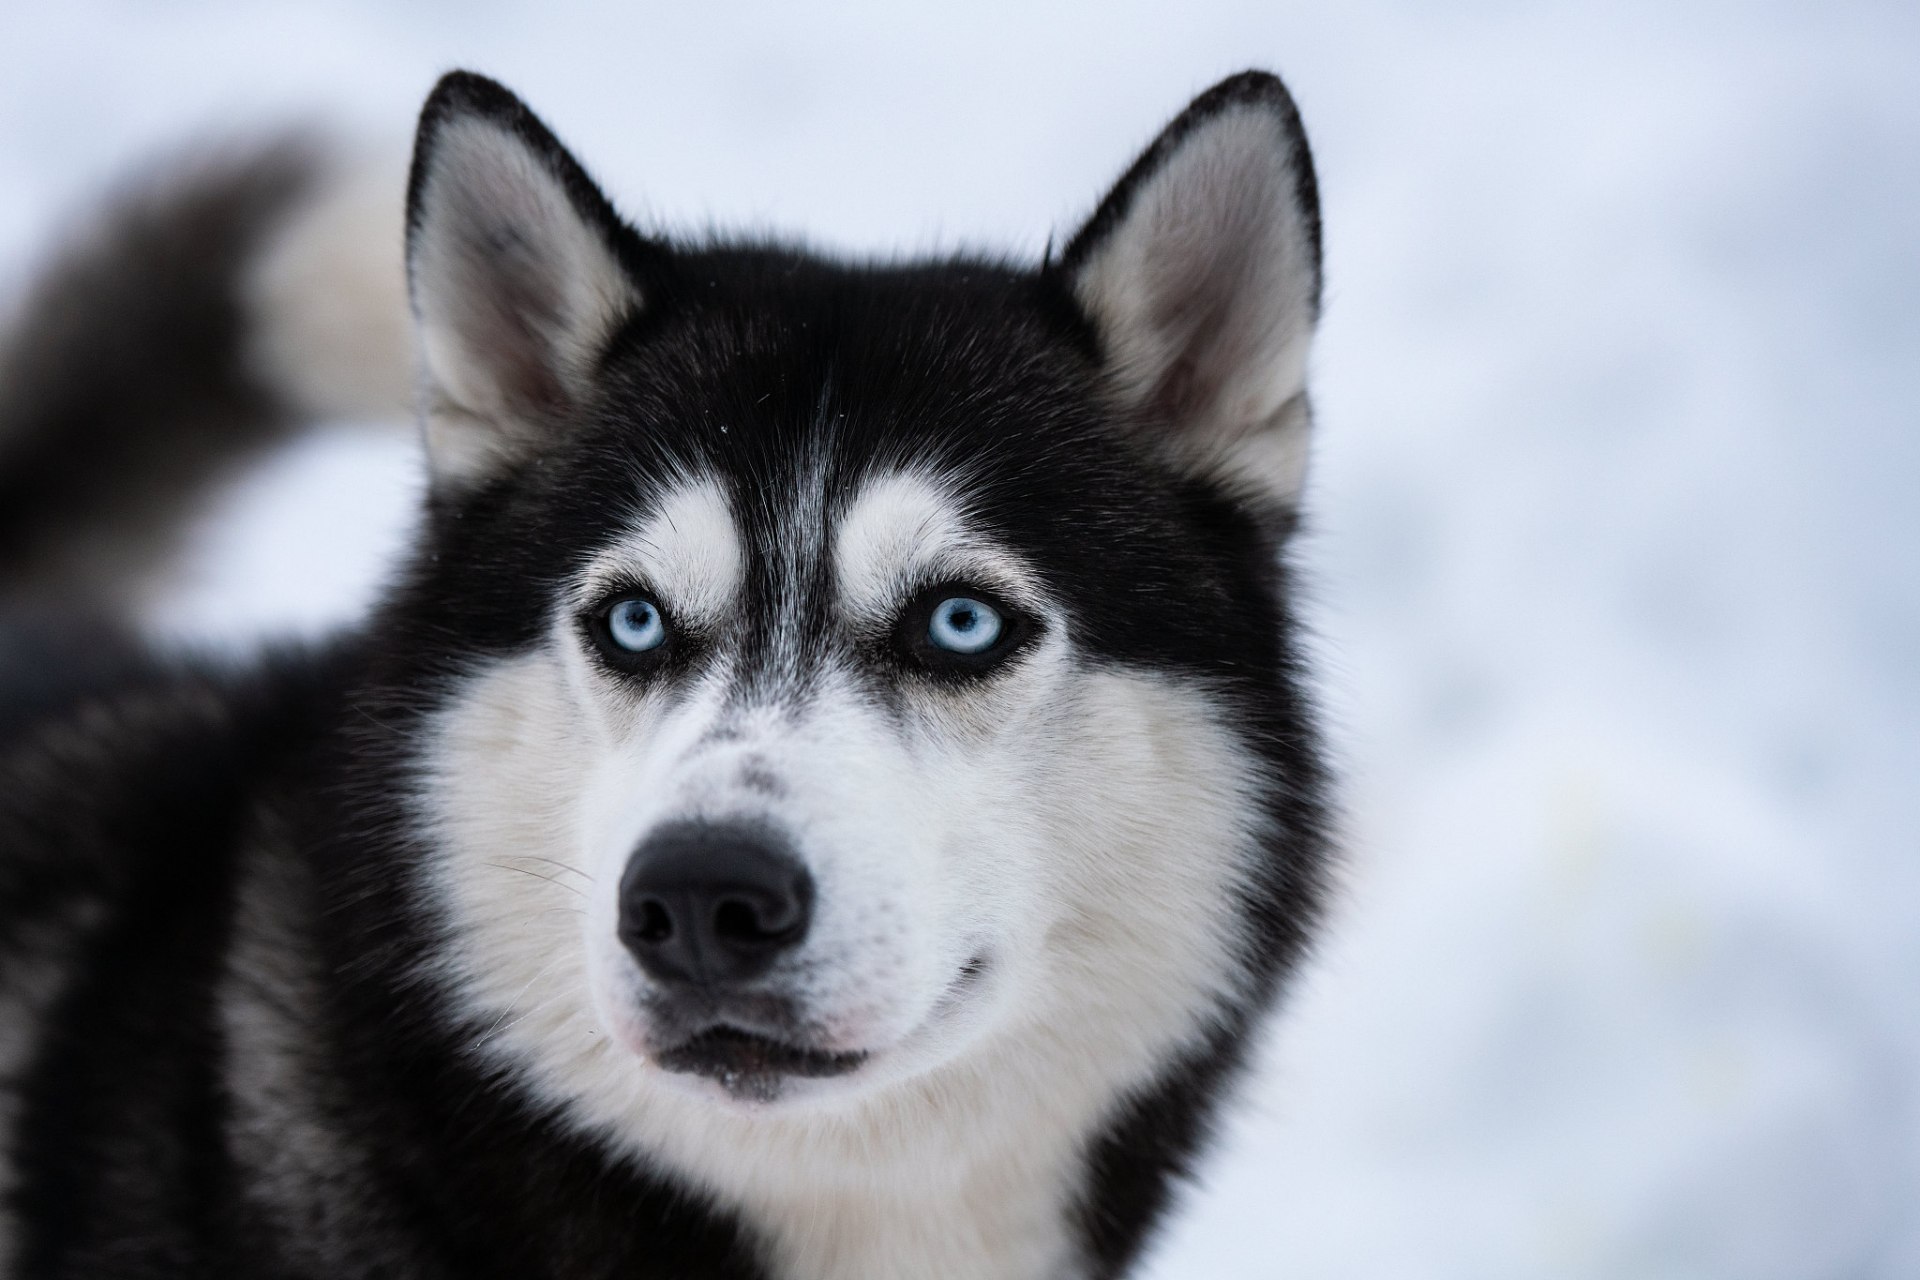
{"points": [[759, 1061]]}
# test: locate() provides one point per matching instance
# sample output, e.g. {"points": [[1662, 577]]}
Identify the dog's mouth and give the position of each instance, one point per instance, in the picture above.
{"points": [[754, 1049], [751, 1066]]}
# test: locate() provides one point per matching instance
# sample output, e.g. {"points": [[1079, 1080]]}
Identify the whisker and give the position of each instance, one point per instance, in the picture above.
{"points": [[555, 863], [486, 1036], [529, 871], [501, 1029]]}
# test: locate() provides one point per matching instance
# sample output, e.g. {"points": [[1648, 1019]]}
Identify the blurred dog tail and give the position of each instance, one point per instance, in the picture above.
{"points": [[204, 316]]}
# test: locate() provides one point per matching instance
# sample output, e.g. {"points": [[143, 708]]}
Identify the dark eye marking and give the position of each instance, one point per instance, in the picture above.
{"points": [[958, 629]]}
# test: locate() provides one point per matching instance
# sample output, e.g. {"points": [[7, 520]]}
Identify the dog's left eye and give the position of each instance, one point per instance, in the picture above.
{"points": [[959, 630], [961, 624]]}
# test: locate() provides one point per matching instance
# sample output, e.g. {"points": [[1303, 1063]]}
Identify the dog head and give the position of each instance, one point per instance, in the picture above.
{"points": [[853, 674]]}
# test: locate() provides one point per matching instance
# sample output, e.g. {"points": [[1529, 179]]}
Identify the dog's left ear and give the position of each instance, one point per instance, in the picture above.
{"points": [[517, 267], [1200, 272]]}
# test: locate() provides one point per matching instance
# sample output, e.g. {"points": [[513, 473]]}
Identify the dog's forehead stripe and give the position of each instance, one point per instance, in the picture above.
{"points": [[687, 548]]}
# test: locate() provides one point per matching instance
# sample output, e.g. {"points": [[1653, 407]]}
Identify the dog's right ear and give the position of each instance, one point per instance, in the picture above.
{"points": [[515, 262]]}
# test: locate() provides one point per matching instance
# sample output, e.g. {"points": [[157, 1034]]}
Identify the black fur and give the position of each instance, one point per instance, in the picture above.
{"points": [[160, 793], [126, 393]]}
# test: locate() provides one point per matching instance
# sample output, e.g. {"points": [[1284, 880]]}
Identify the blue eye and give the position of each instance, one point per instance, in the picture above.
{"points": [[636, 625], [950, 631], [961, 624]]}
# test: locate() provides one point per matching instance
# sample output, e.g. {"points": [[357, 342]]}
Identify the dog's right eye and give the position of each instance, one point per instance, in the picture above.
{"points": [[631, 631], [636, 625]]}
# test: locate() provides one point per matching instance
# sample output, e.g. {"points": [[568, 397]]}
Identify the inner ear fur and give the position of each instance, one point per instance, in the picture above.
{"points": [[516, 272], [1200, 274]]}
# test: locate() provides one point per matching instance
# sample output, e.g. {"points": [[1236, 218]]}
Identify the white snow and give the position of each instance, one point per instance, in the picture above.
{"points": [[1616, 500]]}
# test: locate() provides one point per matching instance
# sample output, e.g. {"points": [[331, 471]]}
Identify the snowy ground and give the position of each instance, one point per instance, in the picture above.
{"points": [[1616, 538]]}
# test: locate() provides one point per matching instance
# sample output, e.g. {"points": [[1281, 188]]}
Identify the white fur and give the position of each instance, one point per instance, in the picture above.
{"points": [[326, 300], [686, 550], [1204, 295], [1084, 829], [906, 530]]}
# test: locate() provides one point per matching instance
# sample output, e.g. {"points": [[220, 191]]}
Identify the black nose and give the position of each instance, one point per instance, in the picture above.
{"points": [[713, 903]]}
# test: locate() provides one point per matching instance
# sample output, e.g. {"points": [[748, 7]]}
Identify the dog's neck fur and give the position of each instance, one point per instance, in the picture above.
{"points": [[942, 1213]]}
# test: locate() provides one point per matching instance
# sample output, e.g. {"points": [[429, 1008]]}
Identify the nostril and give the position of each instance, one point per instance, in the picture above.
{"points": [[744, 920], [656, 923], [737, 921]]}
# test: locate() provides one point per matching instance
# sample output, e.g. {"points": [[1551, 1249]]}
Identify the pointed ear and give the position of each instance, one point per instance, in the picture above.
{"points": [[1200, 273], [515, 264]]}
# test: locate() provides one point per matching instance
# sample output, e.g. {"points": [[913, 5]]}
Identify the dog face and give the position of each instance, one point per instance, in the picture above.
{"points": [[853, 682]]}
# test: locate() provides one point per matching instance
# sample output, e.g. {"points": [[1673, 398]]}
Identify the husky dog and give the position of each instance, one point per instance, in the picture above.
{"points": [[829, 793]]}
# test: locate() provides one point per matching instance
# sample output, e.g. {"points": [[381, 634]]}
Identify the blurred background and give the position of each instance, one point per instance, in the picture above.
{"points": [[1615, 511]]}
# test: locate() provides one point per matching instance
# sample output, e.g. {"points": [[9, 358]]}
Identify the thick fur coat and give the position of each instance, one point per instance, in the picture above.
{"points": [[828, 794]]}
